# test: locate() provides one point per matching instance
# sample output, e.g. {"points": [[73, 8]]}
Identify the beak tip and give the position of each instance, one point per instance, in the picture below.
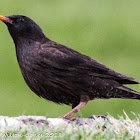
{"points": [[5, 19]]}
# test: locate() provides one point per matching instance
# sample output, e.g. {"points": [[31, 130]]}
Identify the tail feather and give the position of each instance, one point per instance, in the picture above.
{"points": [[129, 93], [128, 90]]}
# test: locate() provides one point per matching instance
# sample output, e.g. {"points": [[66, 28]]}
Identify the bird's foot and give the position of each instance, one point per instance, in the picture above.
{"points": [[70, 119]]}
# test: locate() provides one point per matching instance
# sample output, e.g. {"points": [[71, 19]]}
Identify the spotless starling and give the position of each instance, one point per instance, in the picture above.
{"points": [[60, 74]]}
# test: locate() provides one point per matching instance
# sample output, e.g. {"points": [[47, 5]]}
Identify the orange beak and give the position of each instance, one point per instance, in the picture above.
{"points": [[5, 19]]}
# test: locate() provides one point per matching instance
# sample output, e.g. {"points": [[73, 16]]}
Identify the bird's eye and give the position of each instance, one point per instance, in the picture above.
{"points": [[20, 20]]}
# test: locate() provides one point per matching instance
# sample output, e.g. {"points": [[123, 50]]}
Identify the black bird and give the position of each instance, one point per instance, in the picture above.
{"points": [[61, 74]]}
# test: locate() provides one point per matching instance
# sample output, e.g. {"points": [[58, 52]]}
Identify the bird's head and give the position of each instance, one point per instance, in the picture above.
{"points": [[22, 27]]}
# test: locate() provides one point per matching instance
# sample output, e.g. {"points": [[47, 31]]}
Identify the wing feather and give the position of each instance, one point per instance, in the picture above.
{"points": [[62, 57]]}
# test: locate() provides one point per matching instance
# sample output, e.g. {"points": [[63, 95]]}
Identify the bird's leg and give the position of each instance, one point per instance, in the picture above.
{"points": [[75, 109]]}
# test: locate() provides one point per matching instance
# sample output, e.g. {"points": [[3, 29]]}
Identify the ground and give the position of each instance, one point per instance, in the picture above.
{"points": [[40, 127]]}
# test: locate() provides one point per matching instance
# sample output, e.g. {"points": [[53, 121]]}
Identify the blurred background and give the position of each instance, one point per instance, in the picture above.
{"points": [[108, 31]]}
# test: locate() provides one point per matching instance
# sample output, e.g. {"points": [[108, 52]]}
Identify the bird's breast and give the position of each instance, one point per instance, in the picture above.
{"points": [[26, 57]]}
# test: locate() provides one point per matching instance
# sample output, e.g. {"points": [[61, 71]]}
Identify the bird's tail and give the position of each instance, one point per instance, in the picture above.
{"points": [[127, 93]]}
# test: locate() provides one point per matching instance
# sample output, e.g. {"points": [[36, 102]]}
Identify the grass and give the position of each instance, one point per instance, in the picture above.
{"points": [[107, 31], [109, 129]]}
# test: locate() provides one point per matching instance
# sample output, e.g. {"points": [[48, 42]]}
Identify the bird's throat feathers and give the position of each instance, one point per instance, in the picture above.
{"points": [[28, 36]]}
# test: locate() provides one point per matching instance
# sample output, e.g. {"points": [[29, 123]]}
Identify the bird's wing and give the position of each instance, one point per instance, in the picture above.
{"points": [[65, 58]]}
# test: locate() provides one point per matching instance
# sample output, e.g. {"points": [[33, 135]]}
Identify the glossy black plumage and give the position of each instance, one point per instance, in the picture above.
{"points": [[60, 74]]}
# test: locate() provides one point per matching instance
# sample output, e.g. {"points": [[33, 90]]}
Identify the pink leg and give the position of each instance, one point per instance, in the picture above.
{"points": [[68, 114]]}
